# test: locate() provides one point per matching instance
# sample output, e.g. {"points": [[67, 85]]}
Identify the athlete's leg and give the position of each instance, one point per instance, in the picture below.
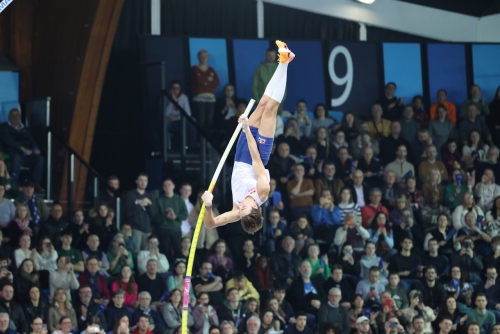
{"points": [[255, 117]]}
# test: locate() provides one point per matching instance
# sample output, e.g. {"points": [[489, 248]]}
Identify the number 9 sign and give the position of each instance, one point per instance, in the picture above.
{"points": [[345, 80]]}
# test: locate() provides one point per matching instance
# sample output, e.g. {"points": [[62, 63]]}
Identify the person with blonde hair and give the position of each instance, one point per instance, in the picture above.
{"points": [[467, 204], [60, 307], [487, 190], [433, 183]]}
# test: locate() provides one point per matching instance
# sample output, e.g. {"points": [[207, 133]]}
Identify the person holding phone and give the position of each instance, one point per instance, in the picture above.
{"points": [[467, 260], [392, 326], [153, 252], [491, 289], [487, 190], [418, 308], [64, 277]]}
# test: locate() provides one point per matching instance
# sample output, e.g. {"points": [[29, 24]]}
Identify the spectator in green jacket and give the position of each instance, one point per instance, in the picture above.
{"points": [[263, 74]]}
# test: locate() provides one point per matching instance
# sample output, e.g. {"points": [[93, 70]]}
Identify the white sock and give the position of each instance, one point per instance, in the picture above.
{"points": [[280, 87], [273, 83]]}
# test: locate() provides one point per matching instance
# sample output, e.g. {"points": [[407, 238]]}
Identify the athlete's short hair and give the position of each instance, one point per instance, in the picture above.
{"points": [[253, 221]]}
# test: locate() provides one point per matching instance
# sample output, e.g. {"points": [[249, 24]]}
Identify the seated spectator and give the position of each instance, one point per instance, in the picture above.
{"points": [[204, 282], [280, 293], [346, 260], [244, 287], [442, 95], [349, 125], [369, 260], [468, 260], [21, 225], [144, 326], [425, 167], [433, 183], [492, 219], [119, 256], [419, 149], [38, 209], [115, 310], [153, 252], [408, 228], [408, 265], [371, 167], [94, 251], [292, 137], [253, 306], [74, 255], [359, 189], [339, 141], [220, 258], [487, 190], [472, 121], [37, 326], [346, 204], [459, 288], [391, 143], [284, 264], [442, 128], [467, 205], [233, 310], [474, 149], [125, 281], [368, 212], [323, 145], [22, 149], [413, 195], [418, 308], [356, 311], [312, 164], [434, 257], [493, 260], [91, 277], [275, 231], [35, 307], [454, 191], [379, 127], [247, 262], [93, 325], [59, 308], [300, 325], [321, 118], [204, 315], [280, 164], [306, 294], [352, 232], [12, 309], [362, 140], [381, 235], [279, 315], [343, 164], [432, 290], [319, 265], [24, 252], [122, 325], [53, 226], [491, 289], [176, 280], [143, 309], [275, 199], [103, 225], [267, 323], [450, 311], [480, 315], [451, 155], [398, 294], [302, 232], [86, 307], [473, 229], [64, 277], [409, 127], [46, 255], [334, 312], [401, 204], [26, 277], [441, 234], [365, 325], [64, 325], [153, 283], [326, 218], [300, 191], [7, 209], [130, 245], [401, 168], [390, 190], [431, 212], [172, 312], [327, 181], [371, 288], [490, 162]]}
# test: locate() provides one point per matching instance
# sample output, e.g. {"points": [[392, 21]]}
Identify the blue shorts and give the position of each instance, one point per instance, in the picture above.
{"points": [[264, 144]]}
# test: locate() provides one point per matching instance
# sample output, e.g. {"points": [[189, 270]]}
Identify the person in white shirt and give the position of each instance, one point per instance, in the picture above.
{"points": [[401, 167], [46, 256], [185, 192], [64, 277], [153, 252]]}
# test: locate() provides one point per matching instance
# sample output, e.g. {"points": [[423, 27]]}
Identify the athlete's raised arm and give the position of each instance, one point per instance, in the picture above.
{"points": [[221, 220], [260, 171]]}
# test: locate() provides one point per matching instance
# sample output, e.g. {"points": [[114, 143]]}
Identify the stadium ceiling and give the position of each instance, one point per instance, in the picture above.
{"points": [[445, 20]]}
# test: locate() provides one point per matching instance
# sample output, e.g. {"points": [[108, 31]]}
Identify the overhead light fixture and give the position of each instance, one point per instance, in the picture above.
{"points": [[368, 2]]}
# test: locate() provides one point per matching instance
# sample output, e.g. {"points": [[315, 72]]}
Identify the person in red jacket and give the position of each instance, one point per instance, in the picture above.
{"points": [[96, 281], [142, 326]]}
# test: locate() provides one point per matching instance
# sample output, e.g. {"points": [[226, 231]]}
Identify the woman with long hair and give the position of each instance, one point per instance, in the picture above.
{"points": [[122, 326], [442, 128], [20, 225], [267, 322], [172, 312], [24, 251], [370, 259], [46, 255], [176, 280], [487, 190], [321, 118], [204, 315], [347, 204], [323, 145], [60, 308], [433, 183], [474, 149], [252, 305], [292, 137], [450, 311], [26, 277], [279, 315], [467, 204], [125, 281], [64, 277], [104, 226], [381, 235], [457, 287], [225, 106], [207, 237], [349, 125], [220, 258], [302, 232], [356, 309], [35, 308]]}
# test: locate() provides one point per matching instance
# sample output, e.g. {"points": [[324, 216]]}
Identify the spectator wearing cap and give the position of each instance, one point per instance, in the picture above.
{"points": [[365, 326], [334, 311], [153, 252], [39, 211]]}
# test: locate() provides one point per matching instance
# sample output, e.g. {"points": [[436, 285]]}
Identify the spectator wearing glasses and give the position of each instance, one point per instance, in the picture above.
{"points": [[333, 311]]}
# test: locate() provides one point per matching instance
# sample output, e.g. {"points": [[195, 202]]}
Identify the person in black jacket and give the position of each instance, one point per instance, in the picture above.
{"points": [[346, 285], [306, 294], [433, 292], [36, 308], [232, 309], [285, 264], [25, 278], [116, 310], [300, 325], [53, 226], [85, 308], [18, 321]]}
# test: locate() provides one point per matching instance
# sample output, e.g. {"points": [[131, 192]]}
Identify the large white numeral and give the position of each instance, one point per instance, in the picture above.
{"points": [[346, 80]]}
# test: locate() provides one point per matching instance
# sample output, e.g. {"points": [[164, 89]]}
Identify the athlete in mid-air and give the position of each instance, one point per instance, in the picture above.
{"points": [[250, 179]]}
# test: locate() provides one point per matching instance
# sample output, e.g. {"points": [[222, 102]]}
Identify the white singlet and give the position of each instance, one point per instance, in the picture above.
{"points": [[244, 183]]}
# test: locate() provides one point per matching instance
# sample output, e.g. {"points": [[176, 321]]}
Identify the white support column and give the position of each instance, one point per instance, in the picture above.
{"points": [[155, 17], [362, 32], [260, 19]]}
